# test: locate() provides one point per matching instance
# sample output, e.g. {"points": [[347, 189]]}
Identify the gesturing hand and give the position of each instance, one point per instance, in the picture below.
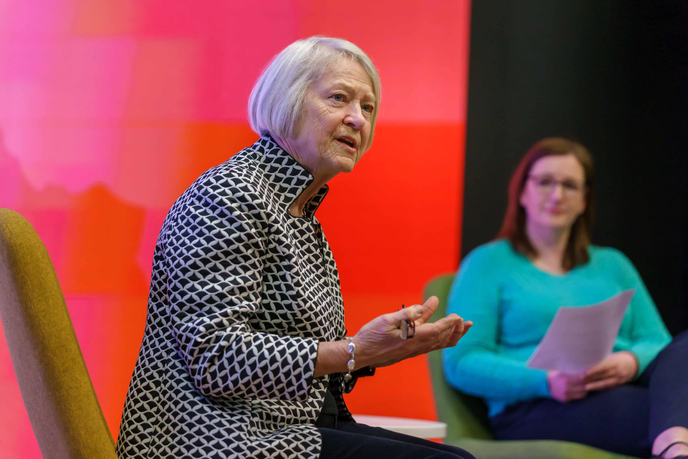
{"points": [[615, 370], [565, 387], [379, 342]]}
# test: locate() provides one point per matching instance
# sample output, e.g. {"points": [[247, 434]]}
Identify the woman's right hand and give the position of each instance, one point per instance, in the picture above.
{"points": [[379, 342], [565, 387]]}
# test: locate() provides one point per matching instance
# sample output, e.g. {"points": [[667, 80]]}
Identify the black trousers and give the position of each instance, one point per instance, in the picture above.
{"points": [[352, 440], [623, 419]]}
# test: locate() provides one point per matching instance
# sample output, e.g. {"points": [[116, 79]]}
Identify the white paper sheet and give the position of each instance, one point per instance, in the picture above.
{"points": [[580, 337]]}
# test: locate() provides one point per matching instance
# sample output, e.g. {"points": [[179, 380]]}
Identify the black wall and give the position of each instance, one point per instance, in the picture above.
{"points": [[611, 74]]}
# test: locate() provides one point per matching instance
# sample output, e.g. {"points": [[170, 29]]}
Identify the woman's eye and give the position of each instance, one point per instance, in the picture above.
{"points": [[571, 186], [368, 108], [545, 182], [338, 97]]}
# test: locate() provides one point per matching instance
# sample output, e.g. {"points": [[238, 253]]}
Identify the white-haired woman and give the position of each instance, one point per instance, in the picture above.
{"points": [[245, 352]]}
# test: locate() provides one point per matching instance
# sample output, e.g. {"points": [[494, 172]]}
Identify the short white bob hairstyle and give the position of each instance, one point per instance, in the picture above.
{"points": [[276, 100]]}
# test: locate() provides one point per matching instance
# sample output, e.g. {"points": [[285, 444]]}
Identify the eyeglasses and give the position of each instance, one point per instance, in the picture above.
{"points": [[544, 184]]}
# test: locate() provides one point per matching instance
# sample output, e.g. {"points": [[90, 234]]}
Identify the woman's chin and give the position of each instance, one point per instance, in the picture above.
{"points": [[555, 223], [345, 164]]}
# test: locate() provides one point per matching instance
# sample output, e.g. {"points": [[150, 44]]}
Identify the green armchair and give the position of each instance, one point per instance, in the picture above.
{"points": [[53, 379], [468, 426]]}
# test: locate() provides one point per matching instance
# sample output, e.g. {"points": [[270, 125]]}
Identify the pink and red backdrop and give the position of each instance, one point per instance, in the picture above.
{"points": [[109, 110]]}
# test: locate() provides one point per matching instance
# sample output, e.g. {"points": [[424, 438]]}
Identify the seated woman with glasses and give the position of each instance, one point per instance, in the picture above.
{"points": [[636, 401]]}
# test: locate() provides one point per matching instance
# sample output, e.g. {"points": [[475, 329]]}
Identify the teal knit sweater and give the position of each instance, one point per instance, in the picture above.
{"points": [[511, 303]]}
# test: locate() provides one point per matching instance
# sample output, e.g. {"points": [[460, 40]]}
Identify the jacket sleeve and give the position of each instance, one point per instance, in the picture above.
{"points": [[475, 365], [215, 254]]}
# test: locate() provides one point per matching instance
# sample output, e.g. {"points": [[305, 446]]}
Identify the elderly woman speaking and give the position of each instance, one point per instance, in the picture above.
{"points": [[244, 352]]}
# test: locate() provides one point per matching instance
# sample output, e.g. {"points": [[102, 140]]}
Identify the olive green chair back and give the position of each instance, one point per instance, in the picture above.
{"points": [[57, 391], [468, 425], [466, 415]]}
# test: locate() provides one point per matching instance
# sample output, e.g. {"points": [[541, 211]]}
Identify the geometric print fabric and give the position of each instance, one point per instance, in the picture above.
{"points": [[241, 293]]}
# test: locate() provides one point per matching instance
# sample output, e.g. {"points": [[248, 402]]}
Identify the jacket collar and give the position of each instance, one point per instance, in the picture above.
{"points": [[288, 178]]}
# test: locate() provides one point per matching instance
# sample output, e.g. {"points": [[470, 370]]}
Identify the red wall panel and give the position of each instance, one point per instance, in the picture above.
{"points": [[109, 110]]}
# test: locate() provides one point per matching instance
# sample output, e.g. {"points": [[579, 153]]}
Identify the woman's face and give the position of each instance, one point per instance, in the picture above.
{"points": [[554, 193], [334, 127]]}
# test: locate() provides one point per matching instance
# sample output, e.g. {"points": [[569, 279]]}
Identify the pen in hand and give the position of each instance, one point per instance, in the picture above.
{"points": [[408, 327]]}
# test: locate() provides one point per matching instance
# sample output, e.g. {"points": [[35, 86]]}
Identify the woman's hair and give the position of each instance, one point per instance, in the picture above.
{"points": [[514, 225], [276, 100]]}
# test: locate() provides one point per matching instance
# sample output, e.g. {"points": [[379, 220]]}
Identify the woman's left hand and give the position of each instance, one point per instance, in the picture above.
{"points": [[617, 369], [380, 341]]}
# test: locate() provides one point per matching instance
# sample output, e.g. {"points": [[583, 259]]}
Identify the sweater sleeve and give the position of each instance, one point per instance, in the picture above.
{"points": [[475, 365], [214, 254], [647, 333]]}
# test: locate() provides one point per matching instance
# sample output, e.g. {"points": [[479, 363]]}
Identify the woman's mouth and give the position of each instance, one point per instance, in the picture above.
{"points": [[349, 142]]}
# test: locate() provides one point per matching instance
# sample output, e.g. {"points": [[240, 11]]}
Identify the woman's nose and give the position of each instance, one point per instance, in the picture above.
{"points": [[354, 116], [557, 191]]}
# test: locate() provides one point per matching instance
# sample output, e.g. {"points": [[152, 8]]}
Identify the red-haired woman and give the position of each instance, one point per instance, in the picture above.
{"points": [[634, 402]]}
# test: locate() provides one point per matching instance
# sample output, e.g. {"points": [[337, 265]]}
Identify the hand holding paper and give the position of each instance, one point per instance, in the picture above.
{"points": [[617, 369], [581, 337], [564, 387]]}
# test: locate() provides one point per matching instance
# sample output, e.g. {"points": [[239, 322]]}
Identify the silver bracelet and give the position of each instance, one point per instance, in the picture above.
{"points": [[351, 363]]}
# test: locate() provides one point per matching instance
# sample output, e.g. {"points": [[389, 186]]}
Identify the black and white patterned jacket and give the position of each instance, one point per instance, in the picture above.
{"points": [[241, 294]]}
